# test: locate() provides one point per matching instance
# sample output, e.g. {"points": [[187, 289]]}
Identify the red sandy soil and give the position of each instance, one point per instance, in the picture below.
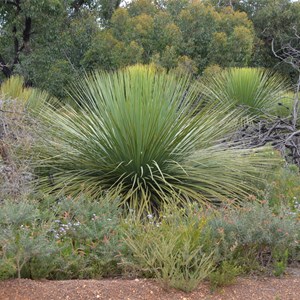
{"points": [[264, 288]]}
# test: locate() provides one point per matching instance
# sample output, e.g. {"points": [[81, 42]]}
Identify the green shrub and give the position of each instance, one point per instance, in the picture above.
{"points": [[7, 267], [141, 133], [173, 249], [225, 274], [280, 262], [283, 188], [284, 107]]}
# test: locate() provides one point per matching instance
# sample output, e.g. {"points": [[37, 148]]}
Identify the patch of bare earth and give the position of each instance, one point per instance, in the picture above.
{"points": [[265, 288]]}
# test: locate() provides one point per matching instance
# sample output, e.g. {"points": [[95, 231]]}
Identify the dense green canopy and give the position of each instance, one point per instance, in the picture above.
{"points": [[51, 42]]}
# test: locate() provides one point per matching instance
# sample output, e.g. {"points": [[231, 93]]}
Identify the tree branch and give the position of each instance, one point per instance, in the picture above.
{"points": [[76, 5], [26, 35], [4, 68]]}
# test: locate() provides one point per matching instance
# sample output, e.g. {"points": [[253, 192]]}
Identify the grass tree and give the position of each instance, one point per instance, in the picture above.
{"points": [[257, 91], [143, 134]]}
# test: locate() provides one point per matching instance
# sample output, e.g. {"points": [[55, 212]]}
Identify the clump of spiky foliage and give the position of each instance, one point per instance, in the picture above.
{"points": [[14, 94], [17, 107], [140, 133], [256, 90]]}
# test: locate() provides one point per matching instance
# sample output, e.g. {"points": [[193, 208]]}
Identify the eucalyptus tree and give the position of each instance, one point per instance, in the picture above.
{"points": [[45, 40], [272, 20]]}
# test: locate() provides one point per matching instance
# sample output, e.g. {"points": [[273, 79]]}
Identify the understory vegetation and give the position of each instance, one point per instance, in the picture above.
{"points": [[70, 238]]}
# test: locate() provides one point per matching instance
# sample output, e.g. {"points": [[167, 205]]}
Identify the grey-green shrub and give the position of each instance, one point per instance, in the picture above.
{"points": [[89, 237], [253, 235], [23, 237], [60, 238]]}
